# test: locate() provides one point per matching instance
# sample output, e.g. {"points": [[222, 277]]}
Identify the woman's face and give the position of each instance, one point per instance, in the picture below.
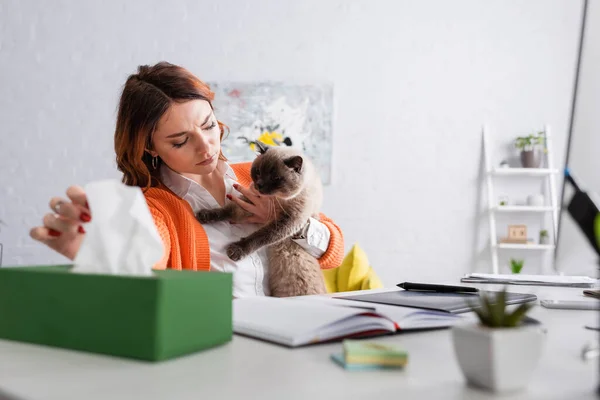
{"points": [[187, 138]]}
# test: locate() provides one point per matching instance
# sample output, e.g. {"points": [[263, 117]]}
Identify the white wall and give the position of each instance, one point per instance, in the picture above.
{"points": [[413, 82], [574, 254]]}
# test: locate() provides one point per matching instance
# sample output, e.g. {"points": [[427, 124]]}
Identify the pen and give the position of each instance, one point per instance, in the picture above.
{"points": [[436, 288]]}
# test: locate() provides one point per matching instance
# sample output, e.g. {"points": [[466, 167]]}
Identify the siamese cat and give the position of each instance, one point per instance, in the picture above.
{"points": [[292, 183]]}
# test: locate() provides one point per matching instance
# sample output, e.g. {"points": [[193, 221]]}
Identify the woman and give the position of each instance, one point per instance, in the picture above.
{"points": [[168, 142]]}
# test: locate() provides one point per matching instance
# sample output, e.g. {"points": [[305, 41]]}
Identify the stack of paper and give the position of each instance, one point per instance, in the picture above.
{"points": [[370, 355], [304, 320], [541, 280]]}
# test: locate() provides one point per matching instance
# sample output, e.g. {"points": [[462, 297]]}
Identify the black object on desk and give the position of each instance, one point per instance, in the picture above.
{"points": [[428, 287]]}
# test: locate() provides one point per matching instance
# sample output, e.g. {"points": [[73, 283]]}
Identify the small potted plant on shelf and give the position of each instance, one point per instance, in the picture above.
{"points": [[544, 238], [500, 351], [529, 146], [516, 265]]}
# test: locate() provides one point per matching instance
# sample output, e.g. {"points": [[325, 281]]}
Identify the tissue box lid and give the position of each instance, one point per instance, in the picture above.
{"points": [[152, 318]]}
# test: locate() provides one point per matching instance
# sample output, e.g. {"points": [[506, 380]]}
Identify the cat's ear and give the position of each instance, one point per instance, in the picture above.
{"points": [[294, 163], [262, 149]]}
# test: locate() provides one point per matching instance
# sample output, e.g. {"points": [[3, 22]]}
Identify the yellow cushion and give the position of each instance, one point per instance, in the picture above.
{"points": [[330, 276], [355, 273], [353, 270], [372, 281]]}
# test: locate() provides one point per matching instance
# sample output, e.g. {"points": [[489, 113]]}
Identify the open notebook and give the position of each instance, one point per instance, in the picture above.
{"points": [[305, 320]]}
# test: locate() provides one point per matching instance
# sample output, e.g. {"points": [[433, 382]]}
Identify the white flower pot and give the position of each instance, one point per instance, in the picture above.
{"points": [[535, 200], [500, 359]]}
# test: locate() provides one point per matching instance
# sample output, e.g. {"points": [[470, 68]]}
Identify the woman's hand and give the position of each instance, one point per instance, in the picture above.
{"points": [[261, 207], [63, 230]]}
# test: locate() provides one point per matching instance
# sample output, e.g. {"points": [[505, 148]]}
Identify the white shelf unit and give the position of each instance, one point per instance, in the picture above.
{"points": [[523, 171], [518, 209], [515, 246], [548, 173]]}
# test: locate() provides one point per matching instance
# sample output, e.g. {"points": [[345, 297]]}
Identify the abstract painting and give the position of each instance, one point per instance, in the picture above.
{"points": [[277, 114]]}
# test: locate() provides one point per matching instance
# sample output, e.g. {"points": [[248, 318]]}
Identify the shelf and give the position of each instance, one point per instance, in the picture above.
{"points": [[523, 171], [522, 209], [516, 246]]}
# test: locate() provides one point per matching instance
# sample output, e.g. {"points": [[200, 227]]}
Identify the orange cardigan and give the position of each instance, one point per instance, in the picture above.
{"points": [[184, 238]]}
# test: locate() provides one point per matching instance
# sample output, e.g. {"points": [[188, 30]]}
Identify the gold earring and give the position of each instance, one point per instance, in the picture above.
{"points": [[154, 162]]}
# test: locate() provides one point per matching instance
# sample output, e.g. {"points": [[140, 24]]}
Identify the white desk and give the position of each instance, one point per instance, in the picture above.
{"points": [[246, 368]]}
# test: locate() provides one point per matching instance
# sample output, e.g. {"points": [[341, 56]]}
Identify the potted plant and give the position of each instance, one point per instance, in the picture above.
{"points": [[544, 238], [529, 146], [516, 265], [500, 351]]}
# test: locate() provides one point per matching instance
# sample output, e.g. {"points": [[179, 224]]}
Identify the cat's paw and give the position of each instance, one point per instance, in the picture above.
{"points": [[205, 216], [235, 251]]}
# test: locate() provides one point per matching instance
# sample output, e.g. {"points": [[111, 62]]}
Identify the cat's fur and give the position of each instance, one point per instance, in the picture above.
{"points": [[293, 184]]}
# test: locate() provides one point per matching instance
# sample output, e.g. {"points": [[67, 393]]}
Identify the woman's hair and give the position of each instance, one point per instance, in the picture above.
{"points": [[146, 96]]}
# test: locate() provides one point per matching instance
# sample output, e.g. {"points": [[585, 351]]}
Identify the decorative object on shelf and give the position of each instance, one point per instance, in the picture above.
{"points": [[530, 149], [503, 200], [517, 234], [501, 351], [544, 237], [504, 164], [516, 265], [536, 200]]}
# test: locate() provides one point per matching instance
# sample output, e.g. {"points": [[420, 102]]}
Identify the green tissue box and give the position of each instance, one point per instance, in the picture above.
{"points": [[151, 318]]}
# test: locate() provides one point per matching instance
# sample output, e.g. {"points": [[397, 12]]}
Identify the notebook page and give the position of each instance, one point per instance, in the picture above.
{"points": [[350, 326], [285, 320], [404, 317]]}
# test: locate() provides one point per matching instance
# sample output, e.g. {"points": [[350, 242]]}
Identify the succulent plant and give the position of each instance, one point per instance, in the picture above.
{"points": [[493, 313], [516, 265]]}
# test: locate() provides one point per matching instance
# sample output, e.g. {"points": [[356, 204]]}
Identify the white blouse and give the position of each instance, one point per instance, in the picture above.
{"points": [[250, 274]]}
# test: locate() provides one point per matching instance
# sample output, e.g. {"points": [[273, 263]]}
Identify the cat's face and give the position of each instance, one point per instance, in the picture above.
{"points": [[277, 173]]}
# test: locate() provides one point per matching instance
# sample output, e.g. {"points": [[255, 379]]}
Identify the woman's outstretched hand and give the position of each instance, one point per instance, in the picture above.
{"points": [[63, 228], [261, 207]]}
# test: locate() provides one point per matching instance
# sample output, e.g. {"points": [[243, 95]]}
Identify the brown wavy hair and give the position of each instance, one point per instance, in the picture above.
{"points": [[146, 96]]}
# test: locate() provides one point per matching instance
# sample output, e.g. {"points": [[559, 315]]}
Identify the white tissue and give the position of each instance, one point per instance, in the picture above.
{"points": [[121, 238]]}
